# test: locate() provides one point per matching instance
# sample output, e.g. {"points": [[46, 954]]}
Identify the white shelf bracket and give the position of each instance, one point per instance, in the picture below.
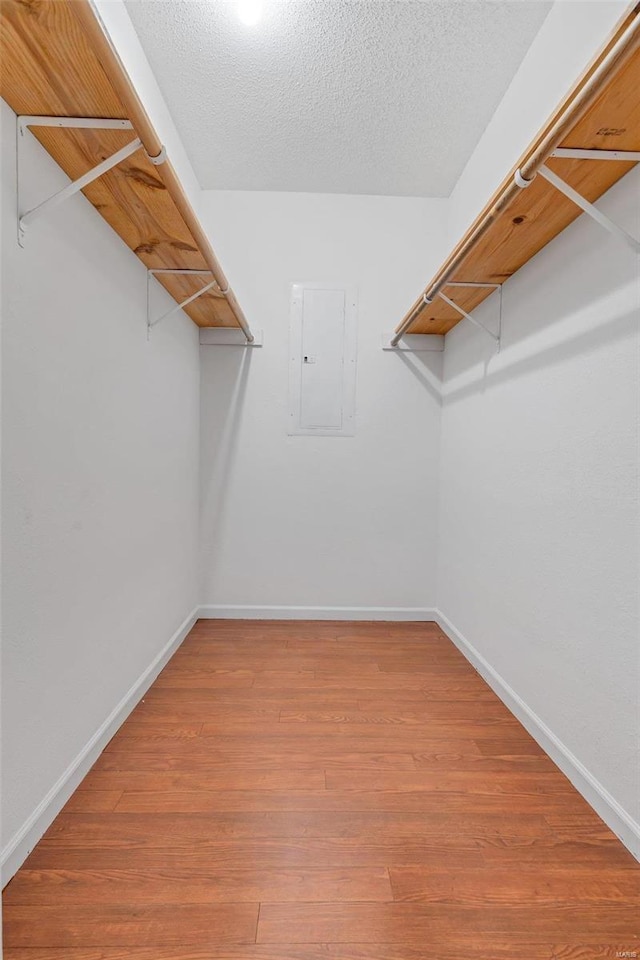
{"points": [[153, 322], [585, 205], [232, 331], [78, 123], [577, 153], [394, 342], [497, 338]]}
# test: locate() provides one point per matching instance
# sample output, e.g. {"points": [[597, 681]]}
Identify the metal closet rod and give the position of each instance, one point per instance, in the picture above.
{"points": [[576, 105], [119, 79]]}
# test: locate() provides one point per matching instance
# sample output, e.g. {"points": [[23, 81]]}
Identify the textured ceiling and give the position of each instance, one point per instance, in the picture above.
{"points": [[342, 96]]}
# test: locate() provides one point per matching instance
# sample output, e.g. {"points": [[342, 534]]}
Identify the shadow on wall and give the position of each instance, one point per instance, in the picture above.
{"points": [[427, 369], [579, 291], [224, 391], [620, 326], [527, 346]]}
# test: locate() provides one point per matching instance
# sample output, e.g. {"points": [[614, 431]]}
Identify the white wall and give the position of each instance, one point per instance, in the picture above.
{"points": [[539, 531], [320, 521], [100, 485], [539, 528]]}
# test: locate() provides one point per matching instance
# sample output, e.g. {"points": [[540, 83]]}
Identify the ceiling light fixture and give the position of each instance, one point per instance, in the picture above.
{"points": [[250, 11]]}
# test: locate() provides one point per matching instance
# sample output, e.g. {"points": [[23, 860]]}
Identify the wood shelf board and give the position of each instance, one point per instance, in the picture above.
{"points": [[48, 69], [540, 212]]}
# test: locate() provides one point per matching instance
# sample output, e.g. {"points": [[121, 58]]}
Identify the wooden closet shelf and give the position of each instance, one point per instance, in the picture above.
{"points": [[532, 217], [57, 62]]}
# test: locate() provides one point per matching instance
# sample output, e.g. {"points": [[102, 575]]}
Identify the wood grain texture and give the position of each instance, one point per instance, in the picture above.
{"points": [[138, 830], [539, 213], [513, 847], [222, 801], [93, 801], [488, 886], [48, 68], [451, 950], [421, 924], [129, 924], [346, 815], [199, 884]]}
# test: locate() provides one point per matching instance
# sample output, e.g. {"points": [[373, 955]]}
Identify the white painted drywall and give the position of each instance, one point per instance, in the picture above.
{"points": [[570, 36], [539, 525], [100, 464], [320, 521], [538, 536]]}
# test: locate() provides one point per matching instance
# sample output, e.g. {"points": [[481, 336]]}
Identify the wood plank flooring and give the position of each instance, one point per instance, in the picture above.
{"points": [[323, 791]]}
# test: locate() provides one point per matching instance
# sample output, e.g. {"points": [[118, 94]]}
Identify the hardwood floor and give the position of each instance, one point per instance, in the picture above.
{"points": [[323, 791]]}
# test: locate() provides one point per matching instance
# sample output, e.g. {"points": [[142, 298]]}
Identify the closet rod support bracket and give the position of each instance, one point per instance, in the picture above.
{"points": [[154, 321], [577, 153], [161, 158], [594, 212], [78, 123], [497, 338], [395, 340], [473, 283]]}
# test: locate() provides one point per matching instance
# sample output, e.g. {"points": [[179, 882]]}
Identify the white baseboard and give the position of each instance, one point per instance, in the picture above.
{"points": [[22, 843], [223, 611], [606, 806]]}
